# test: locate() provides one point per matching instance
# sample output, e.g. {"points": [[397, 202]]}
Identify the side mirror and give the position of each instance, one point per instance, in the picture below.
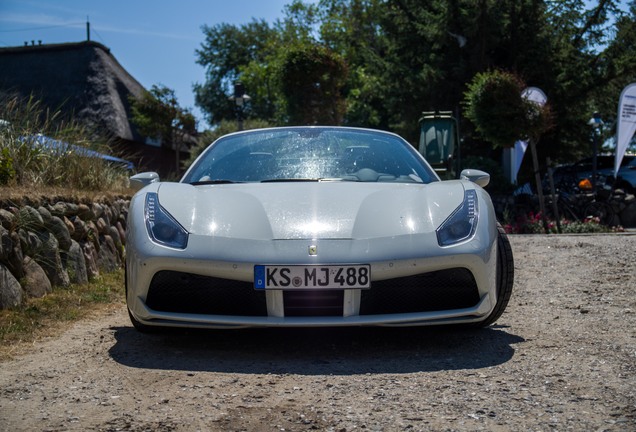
{"points": [[479, 177], [142, 180]]}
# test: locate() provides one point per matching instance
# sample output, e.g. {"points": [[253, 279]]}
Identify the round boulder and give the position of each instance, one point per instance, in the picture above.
{"points": [[36, 283], [10, 289]]}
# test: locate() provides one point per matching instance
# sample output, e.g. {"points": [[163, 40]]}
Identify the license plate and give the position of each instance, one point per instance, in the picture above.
{"points": [[312, 277]]}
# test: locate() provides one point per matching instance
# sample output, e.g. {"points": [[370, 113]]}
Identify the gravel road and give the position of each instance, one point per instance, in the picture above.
{"points": [[562, 357]]}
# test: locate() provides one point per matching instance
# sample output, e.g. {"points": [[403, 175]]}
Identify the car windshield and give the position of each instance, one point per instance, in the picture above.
{"points": [[310, 154]]}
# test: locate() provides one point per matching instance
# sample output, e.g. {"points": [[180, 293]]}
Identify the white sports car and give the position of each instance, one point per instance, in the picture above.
{"points": [[314, 226]]}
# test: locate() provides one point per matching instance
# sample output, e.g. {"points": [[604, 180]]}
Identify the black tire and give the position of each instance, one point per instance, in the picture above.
{"points": [[505, 276], [142, 328]]}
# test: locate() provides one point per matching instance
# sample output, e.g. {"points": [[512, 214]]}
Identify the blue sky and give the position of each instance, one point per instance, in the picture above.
{"points": [[154, 40]]}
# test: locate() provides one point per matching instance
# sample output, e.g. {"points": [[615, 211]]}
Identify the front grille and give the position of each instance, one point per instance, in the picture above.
{"points": [[189, 293], [440, 290], [314, 303]]}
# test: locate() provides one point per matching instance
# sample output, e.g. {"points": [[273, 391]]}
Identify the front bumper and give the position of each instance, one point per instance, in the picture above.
{"points": [[234, 260]]}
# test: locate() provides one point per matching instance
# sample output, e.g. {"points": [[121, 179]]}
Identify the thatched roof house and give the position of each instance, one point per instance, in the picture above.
{"points": [[84, 79]]}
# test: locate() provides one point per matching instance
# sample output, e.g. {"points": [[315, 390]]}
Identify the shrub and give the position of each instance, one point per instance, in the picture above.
{"points": [[495, 105], [533, 224]]}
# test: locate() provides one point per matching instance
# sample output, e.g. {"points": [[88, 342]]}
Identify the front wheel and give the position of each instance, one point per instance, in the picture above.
{"points": [[505, 276], [142, 328]]}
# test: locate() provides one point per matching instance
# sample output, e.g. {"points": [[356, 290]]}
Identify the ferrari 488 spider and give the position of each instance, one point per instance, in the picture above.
{"points": [[314, 226]]}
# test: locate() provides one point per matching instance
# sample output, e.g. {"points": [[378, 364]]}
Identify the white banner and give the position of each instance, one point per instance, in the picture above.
{"points": [[537, 96], [626, 123], [519, 152]]}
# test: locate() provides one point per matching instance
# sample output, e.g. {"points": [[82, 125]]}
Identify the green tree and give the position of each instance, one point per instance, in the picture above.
{"points": [[226, 51], [581, 72], [312, 79], [404, 57], [494, 104], [158, 114], [618, 65], [351, 28], [434, 50]]}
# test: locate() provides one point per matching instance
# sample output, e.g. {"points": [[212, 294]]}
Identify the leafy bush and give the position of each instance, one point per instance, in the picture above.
{"points": [[533, 224], [494, 104], [589, 225]]}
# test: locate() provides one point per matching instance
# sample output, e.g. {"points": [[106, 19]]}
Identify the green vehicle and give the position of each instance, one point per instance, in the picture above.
{"points": [[439, 141]]}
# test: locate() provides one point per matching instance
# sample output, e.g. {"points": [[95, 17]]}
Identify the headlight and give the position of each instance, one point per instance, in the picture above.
{"points": [[460, 225], [162, 227]]}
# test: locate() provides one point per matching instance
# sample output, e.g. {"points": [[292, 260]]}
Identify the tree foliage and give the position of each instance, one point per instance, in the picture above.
{"points": [[403, 57], [157, 114], [495, 105], [226, 52], [313, 77]]}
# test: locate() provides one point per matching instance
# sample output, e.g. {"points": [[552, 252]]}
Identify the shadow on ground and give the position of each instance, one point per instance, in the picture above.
{"points": [[315, 351]]}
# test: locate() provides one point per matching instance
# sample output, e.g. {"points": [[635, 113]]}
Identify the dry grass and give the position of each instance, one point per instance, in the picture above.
{"points": [[40, 148], [21, 194], [41, 318]]}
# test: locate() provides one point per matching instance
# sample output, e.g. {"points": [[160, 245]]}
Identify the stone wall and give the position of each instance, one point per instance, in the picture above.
{"points": [[48, 243]]}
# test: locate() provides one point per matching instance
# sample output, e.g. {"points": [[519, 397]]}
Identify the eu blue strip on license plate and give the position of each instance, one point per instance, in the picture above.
{"points": [[312, 277]]}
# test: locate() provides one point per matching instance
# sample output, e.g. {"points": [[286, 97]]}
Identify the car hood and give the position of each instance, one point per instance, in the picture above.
{"points": [[311, 210]]}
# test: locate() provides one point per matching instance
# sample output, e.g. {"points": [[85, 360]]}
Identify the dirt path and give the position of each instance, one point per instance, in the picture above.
{"points": [[563, 357]]}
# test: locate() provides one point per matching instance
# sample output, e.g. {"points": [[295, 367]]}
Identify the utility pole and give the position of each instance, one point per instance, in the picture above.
{"points": [[239, 98], [88, 30]]}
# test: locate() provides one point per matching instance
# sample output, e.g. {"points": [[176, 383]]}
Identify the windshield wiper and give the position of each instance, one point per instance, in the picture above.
{"points": [[280, 180], [212, 182], [321, 179]]}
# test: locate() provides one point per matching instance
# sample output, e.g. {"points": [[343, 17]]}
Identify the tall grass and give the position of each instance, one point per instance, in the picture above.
{"points": [[24, 161]]}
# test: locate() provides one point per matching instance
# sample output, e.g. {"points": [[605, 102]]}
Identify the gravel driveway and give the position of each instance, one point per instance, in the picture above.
{"points": [[562, 357]]}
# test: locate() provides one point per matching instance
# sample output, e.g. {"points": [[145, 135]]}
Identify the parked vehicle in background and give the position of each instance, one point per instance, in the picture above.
{"points": [[571, 175]]}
